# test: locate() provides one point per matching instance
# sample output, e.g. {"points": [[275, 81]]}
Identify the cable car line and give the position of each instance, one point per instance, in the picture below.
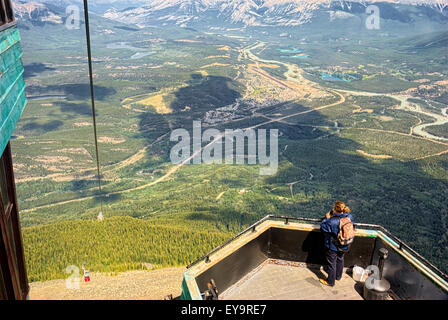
{"points": [[89, 55]]}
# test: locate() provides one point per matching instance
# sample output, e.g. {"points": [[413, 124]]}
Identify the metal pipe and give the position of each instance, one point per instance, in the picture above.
{"points": [[383, 253]]}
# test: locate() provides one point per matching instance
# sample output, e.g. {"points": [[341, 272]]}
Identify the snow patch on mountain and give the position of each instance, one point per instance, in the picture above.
{"points": [[36, 12]]}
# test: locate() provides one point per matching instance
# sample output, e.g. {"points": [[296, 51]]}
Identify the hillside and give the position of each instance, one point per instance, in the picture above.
{"points": [[114, 245]]}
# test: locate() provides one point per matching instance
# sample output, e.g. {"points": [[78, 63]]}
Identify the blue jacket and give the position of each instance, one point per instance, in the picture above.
{"points": [[330, 230]]}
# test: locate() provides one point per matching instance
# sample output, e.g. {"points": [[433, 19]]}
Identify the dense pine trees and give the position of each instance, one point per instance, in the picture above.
{"points": [[113, 245]]}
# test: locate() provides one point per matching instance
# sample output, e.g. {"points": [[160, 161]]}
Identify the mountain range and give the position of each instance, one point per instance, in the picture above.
{"points": [[265, 12], [257, 13]]}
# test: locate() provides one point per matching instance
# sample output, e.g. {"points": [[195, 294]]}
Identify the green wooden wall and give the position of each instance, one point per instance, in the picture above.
{"points": [[12, 84]]}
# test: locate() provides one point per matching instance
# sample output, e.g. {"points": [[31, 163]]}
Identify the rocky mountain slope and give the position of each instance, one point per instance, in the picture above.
{"points": [[266, 12]]}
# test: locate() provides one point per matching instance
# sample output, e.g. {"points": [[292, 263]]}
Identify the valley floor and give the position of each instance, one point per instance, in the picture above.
{"points": [[133, 285], [366, 127]]}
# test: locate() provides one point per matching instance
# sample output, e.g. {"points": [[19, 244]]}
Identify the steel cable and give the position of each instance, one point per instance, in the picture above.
{"points": [[89, 55]]}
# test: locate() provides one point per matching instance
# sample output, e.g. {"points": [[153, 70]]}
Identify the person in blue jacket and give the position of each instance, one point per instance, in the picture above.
{"points": [[334, 253]]}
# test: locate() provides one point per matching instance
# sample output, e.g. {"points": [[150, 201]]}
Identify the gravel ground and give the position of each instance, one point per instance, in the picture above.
{"points": [[133, 285]]}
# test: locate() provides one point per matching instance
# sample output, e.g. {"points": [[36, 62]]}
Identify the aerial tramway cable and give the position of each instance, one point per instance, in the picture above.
{"points": [[89, 54]]}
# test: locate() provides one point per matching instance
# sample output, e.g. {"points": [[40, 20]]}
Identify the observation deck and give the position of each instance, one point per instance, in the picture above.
{"points": [[281, 258]]}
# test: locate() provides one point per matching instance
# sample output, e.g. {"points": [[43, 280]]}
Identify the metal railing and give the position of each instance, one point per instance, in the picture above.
{"points": [[401, 243], [251, 228]]}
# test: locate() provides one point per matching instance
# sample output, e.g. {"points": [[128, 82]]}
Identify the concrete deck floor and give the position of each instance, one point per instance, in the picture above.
{"points": [[283, 280]]}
